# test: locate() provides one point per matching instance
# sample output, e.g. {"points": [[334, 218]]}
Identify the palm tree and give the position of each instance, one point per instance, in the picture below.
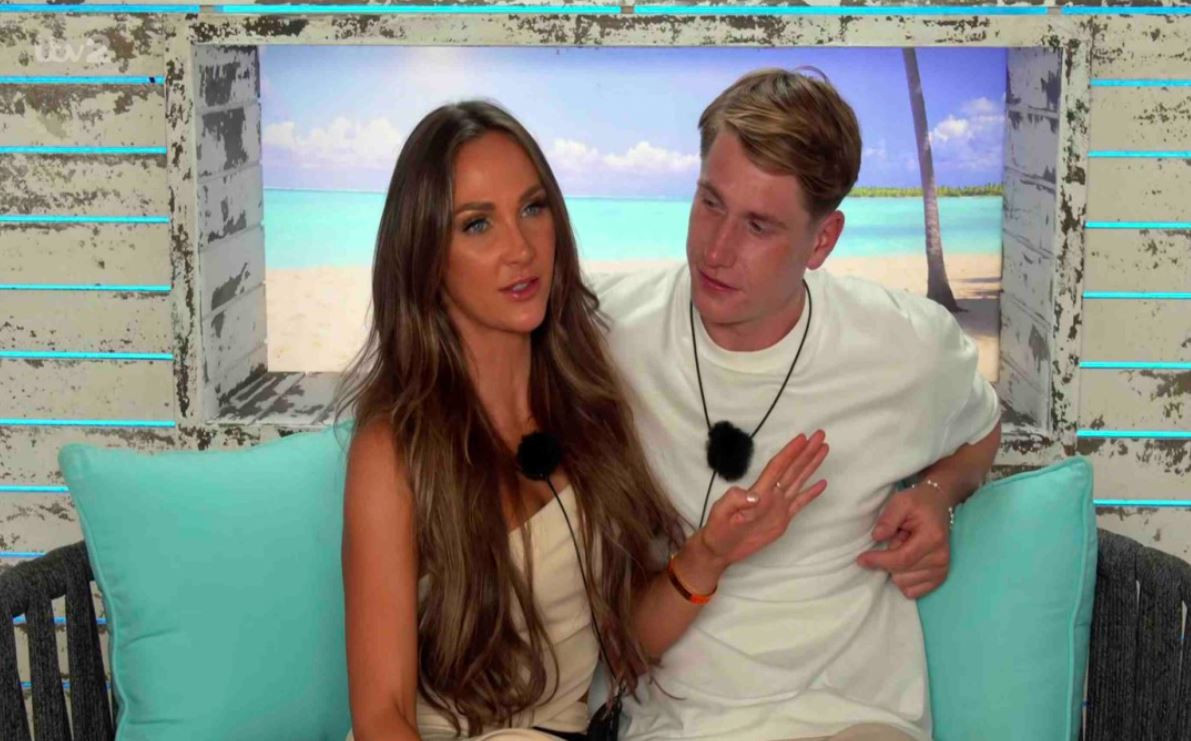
{"points": [[937, 286]]}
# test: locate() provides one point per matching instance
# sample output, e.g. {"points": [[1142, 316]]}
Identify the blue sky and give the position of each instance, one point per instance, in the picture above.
{"points": [[612, 121]]}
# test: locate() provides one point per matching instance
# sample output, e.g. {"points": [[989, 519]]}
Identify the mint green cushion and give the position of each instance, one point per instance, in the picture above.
{"points": [[220, 574], [1007, 633]]}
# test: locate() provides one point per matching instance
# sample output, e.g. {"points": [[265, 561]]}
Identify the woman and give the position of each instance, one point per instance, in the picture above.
{"points": [[467, 610]]}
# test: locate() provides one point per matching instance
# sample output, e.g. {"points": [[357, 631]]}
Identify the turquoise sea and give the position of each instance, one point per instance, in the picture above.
{"points": [[309, 228]]}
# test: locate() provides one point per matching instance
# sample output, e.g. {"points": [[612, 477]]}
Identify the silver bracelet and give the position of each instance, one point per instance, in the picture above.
{"points": [[950, 508]]}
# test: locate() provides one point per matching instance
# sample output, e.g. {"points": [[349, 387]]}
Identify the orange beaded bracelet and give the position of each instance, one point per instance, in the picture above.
{"points": [[687, 594]]}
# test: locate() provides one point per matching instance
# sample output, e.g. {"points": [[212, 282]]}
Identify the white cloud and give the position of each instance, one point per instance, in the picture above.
{"points": [[642, 158], [971, 140], [982, 107], [568, 155], [949, 129], [877, 154], [342, 143]]}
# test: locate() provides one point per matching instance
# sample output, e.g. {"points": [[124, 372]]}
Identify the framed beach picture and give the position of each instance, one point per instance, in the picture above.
{"points": [[618, 126]]}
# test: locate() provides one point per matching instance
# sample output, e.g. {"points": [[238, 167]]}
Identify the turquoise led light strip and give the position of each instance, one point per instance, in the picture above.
{"points": [[19, 422], [1142, 502], [1140, 295], [34, 219], [1138, 225], [1133, 365], [82, 150], [20, 620], [1138, 154], [1136, 434], [21, 554], [1138, 10], [34, 489], [83, 355], [1140, 83], [80, 79], [101, 8], [845, 10], [82, 287], [838, 10], [752, 10], [418, 9]]}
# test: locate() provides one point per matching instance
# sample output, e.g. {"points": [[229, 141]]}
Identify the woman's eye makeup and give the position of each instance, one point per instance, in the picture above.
{"points": [[535, 208], [475, 225]]}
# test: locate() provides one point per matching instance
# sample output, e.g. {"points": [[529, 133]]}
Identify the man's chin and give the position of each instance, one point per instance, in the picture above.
{"points": [[719, 309]]}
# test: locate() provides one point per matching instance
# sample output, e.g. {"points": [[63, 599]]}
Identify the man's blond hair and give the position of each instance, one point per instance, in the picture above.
{"points": [[792, 124]]}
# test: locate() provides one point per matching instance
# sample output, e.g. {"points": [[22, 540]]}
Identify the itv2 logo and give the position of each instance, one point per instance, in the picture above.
{"points": [[91, 51]]}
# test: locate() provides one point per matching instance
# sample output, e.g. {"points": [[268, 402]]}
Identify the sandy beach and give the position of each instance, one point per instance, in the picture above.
{"points": [[318, 317]]}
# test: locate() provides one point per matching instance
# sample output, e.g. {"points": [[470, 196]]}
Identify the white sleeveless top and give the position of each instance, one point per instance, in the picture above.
{"points": [[566, 618]]}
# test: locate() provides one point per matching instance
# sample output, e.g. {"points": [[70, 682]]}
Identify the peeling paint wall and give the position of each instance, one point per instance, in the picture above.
{"points": [[211, 321], [1140, 189], [231, 249]]}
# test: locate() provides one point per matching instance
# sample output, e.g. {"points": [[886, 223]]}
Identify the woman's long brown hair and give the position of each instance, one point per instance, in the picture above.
{"points": [[472, 660]]}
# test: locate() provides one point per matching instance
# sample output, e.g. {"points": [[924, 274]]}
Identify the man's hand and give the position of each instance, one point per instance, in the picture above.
{"points": [[916, 525]]}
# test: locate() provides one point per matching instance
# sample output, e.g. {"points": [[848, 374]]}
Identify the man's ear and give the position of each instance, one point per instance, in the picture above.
{"points": [[826, 237]]}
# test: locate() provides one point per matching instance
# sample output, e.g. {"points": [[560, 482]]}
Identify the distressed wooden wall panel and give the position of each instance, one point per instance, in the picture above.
{"points": [[304, 400], [1136, 400], [1147, 47], [85, 320], [229, 138], [228, 132], [125, 185], [1140, 469], [1150, 118], [1028, 213], [1032, 144], [230, 203], [237, 374], [1139, 190], [227, 76], [630, 30], [1033, 81], [1165, 529], [37, 522], [232, 267], [122, 254], [1027, 274], [185, 234], [1131, 260], [33, 44], [86, 389], [1025, 359], [232, 333], [82, 115], [29, 455], [1137, 330]]}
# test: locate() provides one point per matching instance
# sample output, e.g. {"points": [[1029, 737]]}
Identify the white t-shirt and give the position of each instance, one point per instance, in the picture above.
{"points": [[799, 640]]}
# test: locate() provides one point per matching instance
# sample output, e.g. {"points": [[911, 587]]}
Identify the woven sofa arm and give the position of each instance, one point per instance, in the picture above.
{"points": [[29, 589], [1139, 666]]}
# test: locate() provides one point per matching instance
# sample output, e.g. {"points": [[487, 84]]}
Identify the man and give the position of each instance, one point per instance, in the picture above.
{"points": [[818, 632]]}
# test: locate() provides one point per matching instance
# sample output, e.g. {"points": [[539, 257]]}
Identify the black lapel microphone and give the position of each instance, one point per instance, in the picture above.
{"points": [[539, 455]]}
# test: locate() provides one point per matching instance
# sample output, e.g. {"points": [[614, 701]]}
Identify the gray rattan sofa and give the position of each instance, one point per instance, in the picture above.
{"points": [[1139, 667]]}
